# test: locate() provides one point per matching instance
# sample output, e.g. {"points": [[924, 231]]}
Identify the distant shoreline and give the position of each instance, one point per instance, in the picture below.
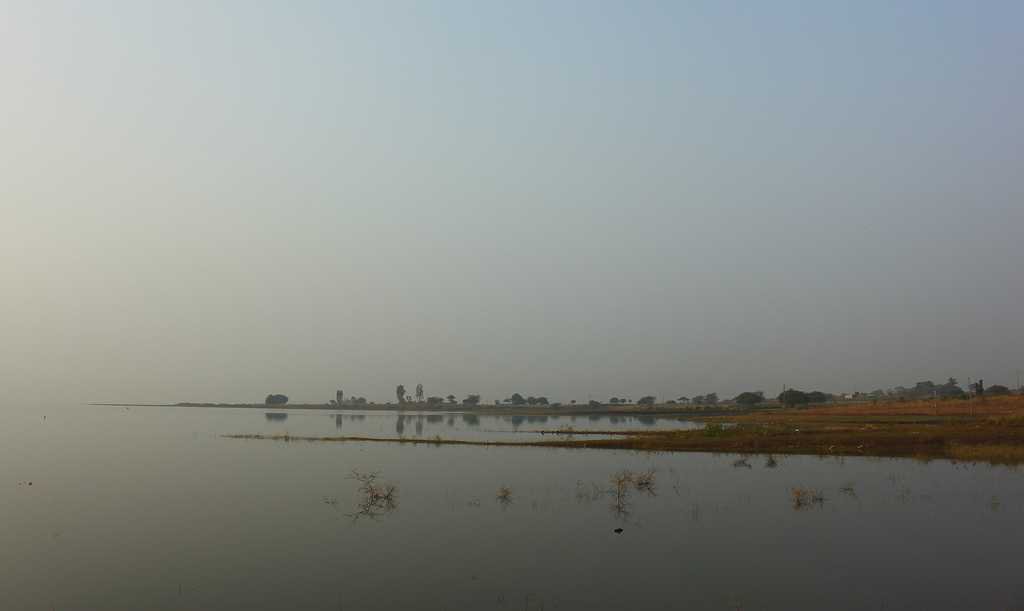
{"points": [[664, 410]]}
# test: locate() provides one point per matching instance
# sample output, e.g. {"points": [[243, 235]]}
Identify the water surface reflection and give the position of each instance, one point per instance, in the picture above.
{"points": [[152, 509]]}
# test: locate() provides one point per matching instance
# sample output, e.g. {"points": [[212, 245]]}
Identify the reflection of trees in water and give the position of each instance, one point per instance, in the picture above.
{"points": [[536, 419], [517, 421], [471, 419], [646, 420], [400, 424], [338, 420], [451, 421], [276, 416], [434, 418], [419, 425]]}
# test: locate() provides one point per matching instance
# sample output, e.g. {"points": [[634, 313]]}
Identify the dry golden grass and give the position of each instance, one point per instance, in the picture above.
{"points": [[1005, 454], [989, 406]]}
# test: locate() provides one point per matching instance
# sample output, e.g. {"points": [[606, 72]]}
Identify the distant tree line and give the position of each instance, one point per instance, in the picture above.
{"points": [[339, 399], [790, 397]]}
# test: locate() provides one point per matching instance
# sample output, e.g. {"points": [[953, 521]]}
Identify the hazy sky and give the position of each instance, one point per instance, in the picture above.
{"points": [[219, 200]]}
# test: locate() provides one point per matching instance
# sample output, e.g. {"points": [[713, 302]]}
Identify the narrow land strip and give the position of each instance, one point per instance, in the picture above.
{"points": [[991, 431]]}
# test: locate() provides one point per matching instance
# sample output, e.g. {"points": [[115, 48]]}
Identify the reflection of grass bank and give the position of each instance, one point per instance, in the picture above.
{"points": [[893, 429]]}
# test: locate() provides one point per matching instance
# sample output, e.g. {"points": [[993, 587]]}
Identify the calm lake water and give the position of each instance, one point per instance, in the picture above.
{"points": [[149, 508]]}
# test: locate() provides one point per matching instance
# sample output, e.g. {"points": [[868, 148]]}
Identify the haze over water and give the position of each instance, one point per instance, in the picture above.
{"points": [[212, 202]]}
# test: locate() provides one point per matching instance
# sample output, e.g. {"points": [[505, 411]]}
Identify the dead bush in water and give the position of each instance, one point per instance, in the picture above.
{"points": [[504, 495], [378, 498], [623, 483], [804, 498], [644, 481]]}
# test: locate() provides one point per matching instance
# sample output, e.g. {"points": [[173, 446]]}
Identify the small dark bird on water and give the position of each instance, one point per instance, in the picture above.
{"points": [[618, 530]]}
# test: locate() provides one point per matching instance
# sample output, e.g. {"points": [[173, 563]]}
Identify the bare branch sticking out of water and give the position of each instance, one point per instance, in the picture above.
{"points": [[644, 481], [623, 484], [378, 499]]}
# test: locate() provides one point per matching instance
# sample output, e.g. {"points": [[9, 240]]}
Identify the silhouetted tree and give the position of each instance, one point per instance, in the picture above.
{"points": [[451, 399], [647, 400], [434, 400], [816, 396], [793, 397], [997, 389], [593, 403], [516, 399], [614, 400], [339, 396], [400, 393], [276, 400], [749, 398], [950, 390], [471, 400], [419, 393]]}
